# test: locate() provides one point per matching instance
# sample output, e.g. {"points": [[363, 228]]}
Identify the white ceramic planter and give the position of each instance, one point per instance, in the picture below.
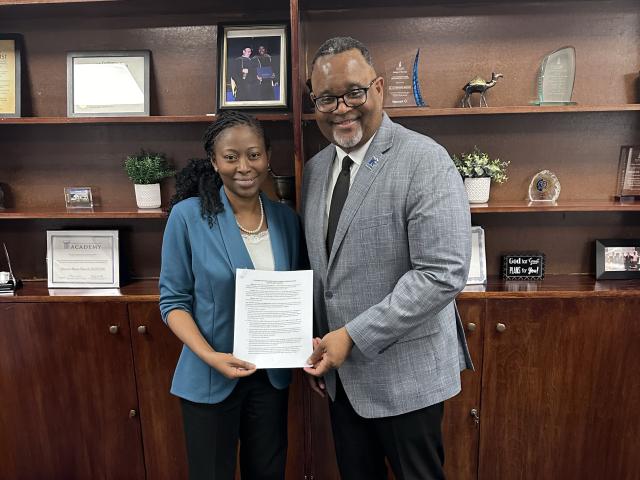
{"points": [[478, 189], [148, 196]]}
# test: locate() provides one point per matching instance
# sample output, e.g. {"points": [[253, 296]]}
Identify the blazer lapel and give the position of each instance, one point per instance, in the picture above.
{"points": [[233, 243], [371, 166], [318, 230]]}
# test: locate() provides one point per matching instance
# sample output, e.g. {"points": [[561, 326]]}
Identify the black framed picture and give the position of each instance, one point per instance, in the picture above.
{"points": [[10, 66], [252, 66], [108, 83], [617, 259]]}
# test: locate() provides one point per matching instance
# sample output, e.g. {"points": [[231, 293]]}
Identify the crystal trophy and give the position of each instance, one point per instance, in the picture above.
{"points": [[544, 187], [629, 174], [556, 76], [402, 85]]}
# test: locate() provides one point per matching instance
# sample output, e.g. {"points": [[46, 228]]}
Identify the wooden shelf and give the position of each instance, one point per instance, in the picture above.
{"points": [[52, 213], [516, 110], [561, 286], [566, 206], [146, 290], [135, 291], [48, 2], [265, 117]]}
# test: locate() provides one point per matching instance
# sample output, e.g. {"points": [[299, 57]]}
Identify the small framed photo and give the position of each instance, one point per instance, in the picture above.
{"points": [[617, 259], [78, 197], [10, 69], [252, 66], [478, 267], [108, 84]]}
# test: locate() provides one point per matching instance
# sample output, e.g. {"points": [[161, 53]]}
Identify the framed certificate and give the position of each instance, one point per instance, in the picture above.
{"points": [[478, 267], [108, 84], [83, 259], [9, 75]]}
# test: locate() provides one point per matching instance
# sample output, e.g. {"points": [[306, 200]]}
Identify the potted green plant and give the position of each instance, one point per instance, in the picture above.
{"points": [[145, 170], [478, 169]]}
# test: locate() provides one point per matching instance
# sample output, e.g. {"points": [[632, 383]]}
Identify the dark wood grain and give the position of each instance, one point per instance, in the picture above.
{"points": [[460, 432], [155, 354], [558, 395], [67, 388]]}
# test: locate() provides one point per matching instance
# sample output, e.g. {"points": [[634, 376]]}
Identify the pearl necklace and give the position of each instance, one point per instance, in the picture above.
{"points": [[256, 230]]}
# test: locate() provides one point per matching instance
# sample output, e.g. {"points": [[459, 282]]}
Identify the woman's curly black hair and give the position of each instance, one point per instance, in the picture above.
{"points": [[198, 178]]}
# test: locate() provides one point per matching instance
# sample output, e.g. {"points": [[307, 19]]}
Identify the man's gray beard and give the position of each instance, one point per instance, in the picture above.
{"points": [[344, 141]]}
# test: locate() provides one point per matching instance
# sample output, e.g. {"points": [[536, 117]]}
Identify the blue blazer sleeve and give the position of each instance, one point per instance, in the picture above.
{"points": [[176, 274]]}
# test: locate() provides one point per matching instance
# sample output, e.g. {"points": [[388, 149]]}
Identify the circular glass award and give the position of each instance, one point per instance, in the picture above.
{"points": [[544, 187]]}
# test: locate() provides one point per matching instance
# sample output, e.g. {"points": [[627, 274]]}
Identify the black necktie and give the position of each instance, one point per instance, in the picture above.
{"points": [[340, 192]]}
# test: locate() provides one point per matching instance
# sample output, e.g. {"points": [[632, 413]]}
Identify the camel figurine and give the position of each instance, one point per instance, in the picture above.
{"points": [[479, 85]]}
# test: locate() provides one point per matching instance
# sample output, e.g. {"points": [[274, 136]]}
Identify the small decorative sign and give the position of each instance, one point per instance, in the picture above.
{"points": [[523, 266], [83, 259]]}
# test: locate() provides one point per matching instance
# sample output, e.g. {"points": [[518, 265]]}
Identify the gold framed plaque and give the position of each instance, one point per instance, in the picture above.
{"points": [[9, 75], [629, 173]]}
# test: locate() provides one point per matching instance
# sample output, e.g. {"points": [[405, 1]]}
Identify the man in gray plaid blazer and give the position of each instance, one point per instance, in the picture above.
{"points": [[387, 226]]}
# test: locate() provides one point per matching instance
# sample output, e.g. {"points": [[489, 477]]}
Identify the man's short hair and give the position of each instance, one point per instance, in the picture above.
{"points": [[337, 45]]}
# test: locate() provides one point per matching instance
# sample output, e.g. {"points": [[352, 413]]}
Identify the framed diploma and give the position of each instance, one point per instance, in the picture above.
{"points": [[478, 266], [83, 259], [108, 84], [9, 75]]}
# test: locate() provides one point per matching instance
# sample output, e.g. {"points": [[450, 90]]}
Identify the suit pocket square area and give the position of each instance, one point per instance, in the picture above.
{"points": [[365, 223]]}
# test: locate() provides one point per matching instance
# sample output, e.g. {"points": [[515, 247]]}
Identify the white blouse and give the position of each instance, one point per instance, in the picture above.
{"points": [[259, 248]]}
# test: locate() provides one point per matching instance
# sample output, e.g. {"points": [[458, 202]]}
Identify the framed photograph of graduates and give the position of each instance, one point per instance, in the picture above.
{"points": [[252, 66], [9, 75], [617, 259], [108, 84]]}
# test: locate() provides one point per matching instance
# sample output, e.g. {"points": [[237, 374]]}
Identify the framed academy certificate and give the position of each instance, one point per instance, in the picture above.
{"points": [[83, 259]]}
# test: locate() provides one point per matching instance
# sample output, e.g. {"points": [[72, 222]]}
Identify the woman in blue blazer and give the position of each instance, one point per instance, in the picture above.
{"points": [[220, 222]]}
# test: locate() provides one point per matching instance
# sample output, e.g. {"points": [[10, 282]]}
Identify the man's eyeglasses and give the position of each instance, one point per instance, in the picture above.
{"points": [[353, 98]]}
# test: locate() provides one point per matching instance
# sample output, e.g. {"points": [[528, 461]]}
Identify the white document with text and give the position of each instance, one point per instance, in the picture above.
{"points": [[273, 318]]}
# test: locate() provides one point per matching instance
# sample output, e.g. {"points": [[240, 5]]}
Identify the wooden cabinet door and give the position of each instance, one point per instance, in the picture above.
{"points": [[460, 431], [560, 392], [67, 393], [156, 351]]}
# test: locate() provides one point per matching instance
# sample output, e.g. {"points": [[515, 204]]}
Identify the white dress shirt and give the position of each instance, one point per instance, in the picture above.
{"points": [[259, 248]]}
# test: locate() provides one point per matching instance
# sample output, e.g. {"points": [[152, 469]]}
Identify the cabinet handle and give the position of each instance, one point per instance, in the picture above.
{"points": [[132, 413], [471, 326], [476, 417], [501, 327], [113, 329], [142, 329]]}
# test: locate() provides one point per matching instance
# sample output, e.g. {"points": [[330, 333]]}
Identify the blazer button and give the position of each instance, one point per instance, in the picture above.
{"points": [[328, 294]]}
